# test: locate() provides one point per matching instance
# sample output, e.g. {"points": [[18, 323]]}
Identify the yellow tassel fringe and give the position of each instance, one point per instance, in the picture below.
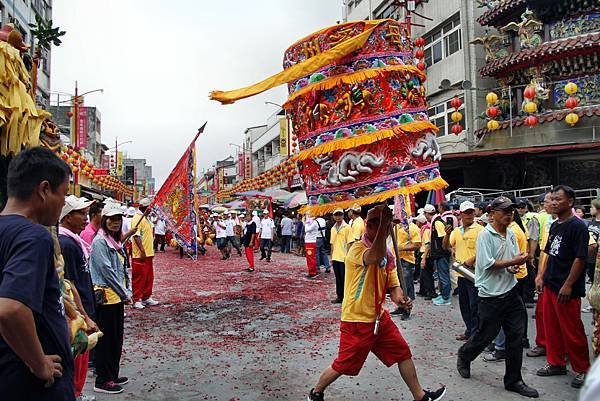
{"points": [[353, 142], [301, 69], [321, 210], [352, 78], [20, 120]]}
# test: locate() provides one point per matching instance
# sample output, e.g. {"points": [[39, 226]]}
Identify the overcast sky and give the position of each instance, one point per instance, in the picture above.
{"points": [[157, 60]]}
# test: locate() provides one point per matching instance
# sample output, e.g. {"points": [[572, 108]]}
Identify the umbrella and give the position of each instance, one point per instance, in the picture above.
{"points": [[219, 209], [297, 199], [236, 204], [205, 206], [278, 194]]}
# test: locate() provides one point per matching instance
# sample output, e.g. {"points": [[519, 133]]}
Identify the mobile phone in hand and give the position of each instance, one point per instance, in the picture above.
{"points": [[449, 221]]}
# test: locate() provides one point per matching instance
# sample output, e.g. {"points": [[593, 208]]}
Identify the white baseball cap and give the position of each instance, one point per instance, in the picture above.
{"points": [[265, 211], [421, 218], [74, 203], [112, 209], [131, 211], [429, 209], [467, 205], [145, 202], [254, 213]]}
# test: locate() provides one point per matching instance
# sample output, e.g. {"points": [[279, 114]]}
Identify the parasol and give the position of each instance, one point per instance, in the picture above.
{"points": [[297, 199]]}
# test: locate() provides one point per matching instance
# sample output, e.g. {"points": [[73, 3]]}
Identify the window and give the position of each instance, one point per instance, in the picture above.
{"points": [[444, 41], [388, 9], [440, 115]]}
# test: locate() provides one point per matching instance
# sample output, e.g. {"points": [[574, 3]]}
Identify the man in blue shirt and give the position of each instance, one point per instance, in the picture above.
{"points": [[500, 305], [35, 354]]}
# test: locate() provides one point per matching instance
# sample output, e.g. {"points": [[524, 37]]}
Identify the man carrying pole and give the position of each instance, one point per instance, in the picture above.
{"points": [[370, 272]]}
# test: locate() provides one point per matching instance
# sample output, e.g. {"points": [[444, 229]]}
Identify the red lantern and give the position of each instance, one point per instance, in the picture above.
{"points": [[572, 102], [457, 129], [421, 66], [492, 112], [456, 103], [69, 114], [420, 42], [529, 92], [531, 121], [419, 53]]}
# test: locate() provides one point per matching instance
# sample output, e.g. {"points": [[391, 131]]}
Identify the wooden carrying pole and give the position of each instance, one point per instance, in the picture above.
{"points": [[398, 261]]}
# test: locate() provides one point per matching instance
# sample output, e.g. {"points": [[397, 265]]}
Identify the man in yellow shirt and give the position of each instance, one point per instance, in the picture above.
{"points": [[142, 270], [463, 239], [341, 238], [408, 243], [366, 326], [356, 222]]}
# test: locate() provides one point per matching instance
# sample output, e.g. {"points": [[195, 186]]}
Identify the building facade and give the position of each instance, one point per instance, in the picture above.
{"points": [[502, 46], [142, 176], [21, 13]]}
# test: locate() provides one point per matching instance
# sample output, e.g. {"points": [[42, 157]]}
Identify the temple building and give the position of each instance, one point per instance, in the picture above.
{"points": [[541, 125]]}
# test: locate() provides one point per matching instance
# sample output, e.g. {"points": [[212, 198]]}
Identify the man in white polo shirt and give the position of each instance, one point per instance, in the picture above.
{"points": [[267, 232]]}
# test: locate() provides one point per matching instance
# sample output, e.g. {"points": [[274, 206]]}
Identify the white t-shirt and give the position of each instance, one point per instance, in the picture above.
{"points": [[266, 228], [256, 221], [160, 227], [311, 230], [126, 225], [221, 232], [287, 225], [229, 224]]}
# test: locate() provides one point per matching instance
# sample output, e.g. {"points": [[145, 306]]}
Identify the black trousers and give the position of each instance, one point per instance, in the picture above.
{"points": [[110, 320], [339, 269], [265, 248], [506, 311], [427, 284], [467, 300], [159, 239]]}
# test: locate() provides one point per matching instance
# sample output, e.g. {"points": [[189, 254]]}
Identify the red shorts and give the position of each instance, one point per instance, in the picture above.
{"points": [[357, 340]]}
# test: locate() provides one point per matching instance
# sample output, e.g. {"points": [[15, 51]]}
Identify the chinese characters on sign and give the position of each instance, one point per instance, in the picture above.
{"points": [[283, 137], [82, 127]]}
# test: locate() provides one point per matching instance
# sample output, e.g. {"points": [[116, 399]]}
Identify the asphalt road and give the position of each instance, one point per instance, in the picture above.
{"points": [[224, 334]]}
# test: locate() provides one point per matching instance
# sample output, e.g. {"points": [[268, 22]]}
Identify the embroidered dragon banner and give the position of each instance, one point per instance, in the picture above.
{"points": [[175, 201], [358, 109]]}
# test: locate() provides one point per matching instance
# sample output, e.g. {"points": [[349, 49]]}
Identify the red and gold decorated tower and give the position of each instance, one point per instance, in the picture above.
{"points": [[358, 113]]}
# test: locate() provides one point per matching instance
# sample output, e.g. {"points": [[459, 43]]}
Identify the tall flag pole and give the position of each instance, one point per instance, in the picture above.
{"points": [[176, 200]]}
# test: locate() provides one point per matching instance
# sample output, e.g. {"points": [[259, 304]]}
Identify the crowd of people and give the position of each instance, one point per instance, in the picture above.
{"points": [[511, 256], [99, 247], [60, 252]]}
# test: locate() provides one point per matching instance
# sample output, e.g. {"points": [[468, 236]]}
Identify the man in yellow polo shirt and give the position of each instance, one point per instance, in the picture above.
{"points": [[341, 238], [356, 222], [366, 326], [142, 270], [463, 239], [408, 242]]}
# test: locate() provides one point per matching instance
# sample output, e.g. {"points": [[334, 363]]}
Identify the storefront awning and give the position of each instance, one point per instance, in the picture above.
{"points": [[525, 150]]}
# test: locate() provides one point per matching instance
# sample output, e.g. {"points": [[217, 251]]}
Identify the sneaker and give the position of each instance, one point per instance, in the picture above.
{"points": [[336, 301], [523, 389], [587, 309], [138, 305], [249, 269], [434, 395], [496, 356], [552, 370], [122, 380], [150, 302], [578, 380], [85, 397], [437, 298], [442, 301], [536, 351], [108, 388], [490, 348], [397, 311], [312, 396], [312, 275]]}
